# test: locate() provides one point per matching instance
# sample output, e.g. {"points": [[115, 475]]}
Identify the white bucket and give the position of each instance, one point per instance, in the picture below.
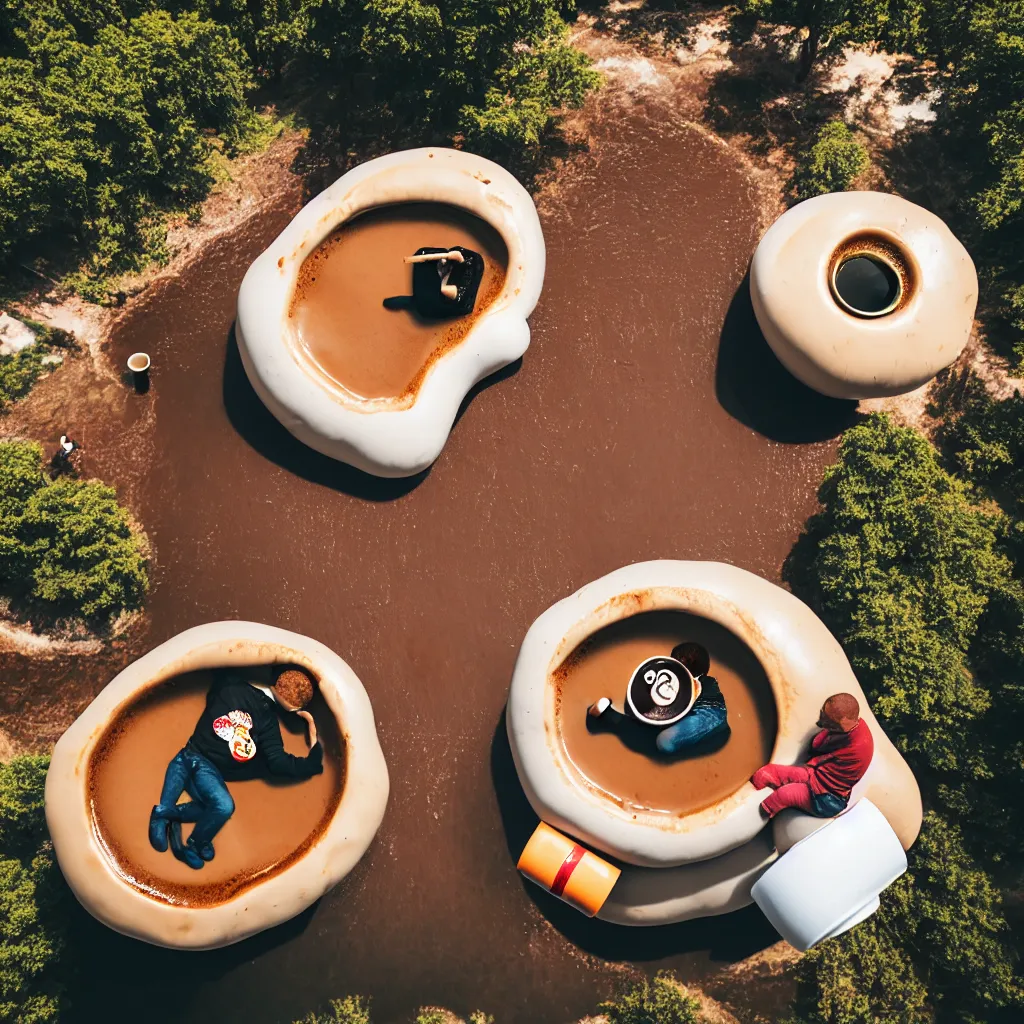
{"points": [[138, 362]]}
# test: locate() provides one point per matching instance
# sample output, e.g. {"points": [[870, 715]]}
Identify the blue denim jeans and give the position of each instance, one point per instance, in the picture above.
{"points": [[211, 804], [827, 805], [703, 721]]}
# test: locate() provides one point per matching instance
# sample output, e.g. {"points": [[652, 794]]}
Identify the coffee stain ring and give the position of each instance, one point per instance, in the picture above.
{"points": [[882, 253]]}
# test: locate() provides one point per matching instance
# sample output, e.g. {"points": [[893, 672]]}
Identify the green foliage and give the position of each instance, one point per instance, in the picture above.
{"points": [[22, 828], [103, 124], [350, 1010], [264, 28], [660, 1001], [31, 988], [984, 441], [824, 27], [984, 113], [914, 571], [832, 163], [115, 112], [487, 74], [66, 545], [19, 371], [901, 566], [356, 1010]]}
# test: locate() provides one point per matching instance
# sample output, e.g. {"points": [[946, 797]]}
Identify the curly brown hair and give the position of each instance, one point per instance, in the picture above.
{"points": [[295, 686], [694, 656]]}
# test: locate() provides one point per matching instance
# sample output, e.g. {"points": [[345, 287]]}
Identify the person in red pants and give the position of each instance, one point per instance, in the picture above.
{"points": [[840, 755]]}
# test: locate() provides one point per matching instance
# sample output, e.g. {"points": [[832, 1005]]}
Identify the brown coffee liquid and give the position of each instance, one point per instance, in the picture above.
{"points": [[337, 312], [274, 822], [602, 667]]}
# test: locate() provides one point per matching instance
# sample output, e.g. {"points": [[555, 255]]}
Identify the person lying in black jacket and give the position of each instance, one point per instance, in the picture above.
{"points": [[238, 736]]}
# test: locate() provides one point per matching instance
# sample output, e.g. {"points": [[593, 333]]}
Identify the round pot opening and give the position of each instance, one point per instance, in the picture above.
{"points": [[138, 362], [274, 823], [870, 277], [621, 763], [352, 315]]}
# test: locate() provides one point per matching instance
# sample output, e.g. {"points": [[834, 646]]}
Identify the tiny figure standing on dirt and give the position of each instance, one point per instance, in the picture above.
{"points": [[62, 461]]}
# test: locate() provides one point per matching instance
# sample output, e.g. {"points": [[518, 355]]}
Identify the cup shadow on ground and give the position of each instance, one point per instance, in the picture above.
{"points": [[482, 385], [730, 937], [260, 429], [753, 387], [144, 980]]}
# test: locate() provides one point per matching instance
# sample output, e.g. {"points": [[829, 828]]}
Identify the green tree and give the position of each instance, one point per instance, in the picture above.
{"points": [[901, 566], [984, 114], [660, 1001], [105, 122], [31, 893], [490, 75], [350, 1010], [265, 28], [825, 26], [910, 568], [66, 545], [984, 442], [832, 163]]}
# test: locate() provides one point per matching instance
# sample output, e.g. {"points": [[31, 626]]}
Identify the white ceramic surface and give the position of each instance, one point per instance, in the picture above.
{"points": [[675, 868], [653, 896], [329, 859], [831, 880], [390, 437], [836, 352]]}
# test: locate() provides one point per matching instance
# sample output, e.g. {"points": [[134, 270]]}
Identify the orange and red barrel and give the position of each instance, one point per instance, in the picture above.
{"points": [[567, 870]]}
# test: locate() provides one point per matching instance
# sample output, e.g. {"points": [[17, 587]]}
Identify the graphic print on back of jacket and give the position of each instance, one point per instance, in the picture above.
{"points": [[240, 732]]}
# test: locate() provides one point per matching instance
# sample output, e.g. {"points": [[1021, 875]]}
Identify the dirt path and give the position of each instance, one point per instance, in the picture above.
{"points": [[89, 381]]}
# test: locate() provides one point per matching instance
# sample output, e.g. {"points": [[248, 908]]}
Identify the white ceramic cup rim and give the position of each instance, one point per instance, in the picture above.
{"points": [[136, 357], [667, 721]]}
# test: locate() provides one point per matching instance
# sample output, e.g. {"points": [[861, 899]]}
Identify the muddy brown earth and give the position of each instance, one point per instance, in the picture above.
{"points": [[648, 419]]}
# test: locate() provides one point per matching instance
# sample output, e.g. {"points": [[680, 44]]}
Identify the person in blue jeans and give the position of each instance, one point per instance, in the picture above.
{"points": [[209, 808], [707, 718], [238, 736]]}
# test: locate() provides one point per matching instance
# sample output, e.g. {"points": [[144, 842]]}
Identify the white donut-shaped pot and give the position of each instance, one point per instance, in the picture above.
{"points": [[703, 863], [829, 347], [390, 437], [331, 856]]}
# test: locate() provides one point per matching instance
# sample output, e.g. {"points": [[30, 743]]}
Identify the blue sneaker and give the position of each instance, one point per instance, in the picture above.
{"points": [[183, 851], [205, 850], [158, 831]]}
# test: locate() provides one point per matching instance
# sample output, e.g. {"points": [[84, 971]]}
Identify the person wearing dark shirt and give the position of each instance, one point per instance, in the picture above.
{"points": [[238, 737], [708, 717], [840, 755]]}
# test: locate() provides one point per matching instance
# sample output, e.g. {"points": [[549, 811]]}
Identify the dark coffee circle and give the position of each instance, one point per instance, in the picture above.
{"points": [[867, 285], [656, 677]]}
